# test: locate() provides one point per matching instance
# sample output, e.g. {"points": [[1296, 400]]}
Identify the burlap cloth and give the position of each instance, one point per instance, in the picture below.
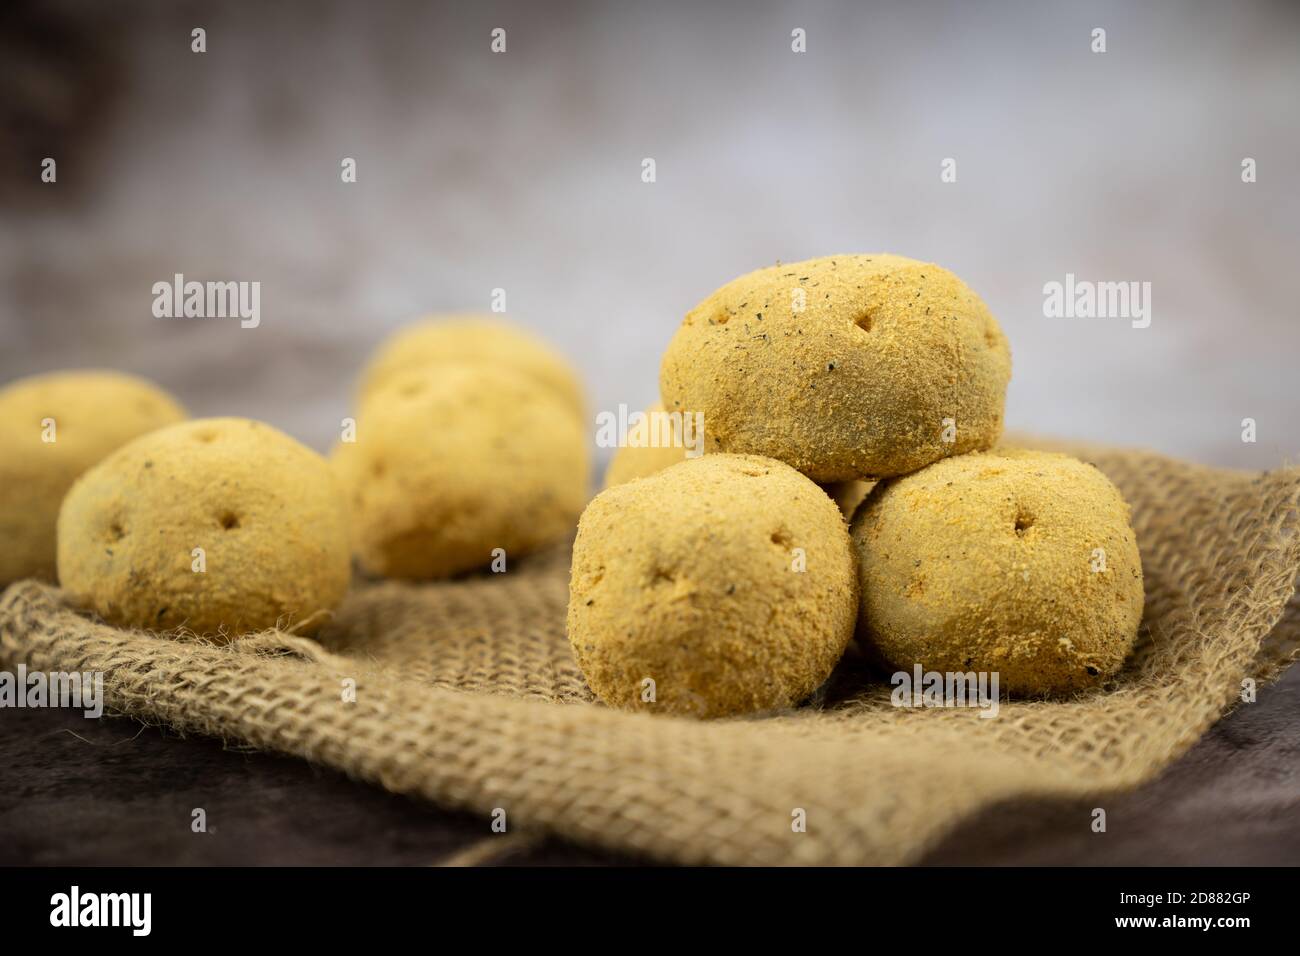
{"points": [[467, 695]]}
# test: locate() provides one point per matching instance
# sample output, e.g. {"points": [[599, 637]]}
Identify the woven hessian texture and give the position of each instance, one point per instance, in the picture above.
{"points": [[467, 695]]}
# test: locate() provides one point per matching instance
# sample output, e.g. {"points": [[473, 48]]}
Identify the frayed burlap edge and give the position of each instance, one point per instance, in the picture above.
{"points": [[465, 695]]}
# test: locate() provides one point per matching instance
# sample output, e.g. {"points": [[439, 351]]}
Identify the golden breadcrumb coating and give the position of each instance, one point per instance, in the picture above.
{"points": [[467, 339], [1016, 562], [454, 461], [221, 525], [727, 580], [92, 413], [857, 366], [638, 458]]}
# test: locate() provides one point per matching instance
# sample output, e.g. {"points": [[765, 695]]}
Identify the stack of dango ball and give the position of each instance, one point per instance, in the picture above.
{"points": [[730, 584], [849, 483]]}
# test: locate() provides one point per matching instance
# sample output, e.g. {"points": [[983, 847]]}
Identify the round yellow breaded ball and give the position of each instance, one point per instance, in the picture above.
{"points": [[220, 525], [722, 585], [644, 452], [473, 339], [52, 428], [859, 366], [1016, 562], [452, 462]]}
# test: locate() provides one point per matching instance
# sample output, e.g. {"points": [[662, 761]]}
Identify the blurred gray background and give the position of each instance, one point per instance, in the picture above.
{"points": [[522, 171]]}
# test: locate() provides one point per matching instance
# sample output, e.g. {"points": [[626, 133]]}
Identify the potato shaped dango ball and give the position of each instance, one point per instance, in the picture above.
{"points": [[722, 585], [846, 367], [52, 428], [473, 339], [1017, 562], [453, 462], [222, 525], [644, 453]]}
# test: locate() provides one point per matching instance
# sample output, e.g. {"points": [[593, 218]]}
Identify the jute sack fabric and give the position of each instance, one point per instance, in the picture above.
{"points": [[466, 694]]}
